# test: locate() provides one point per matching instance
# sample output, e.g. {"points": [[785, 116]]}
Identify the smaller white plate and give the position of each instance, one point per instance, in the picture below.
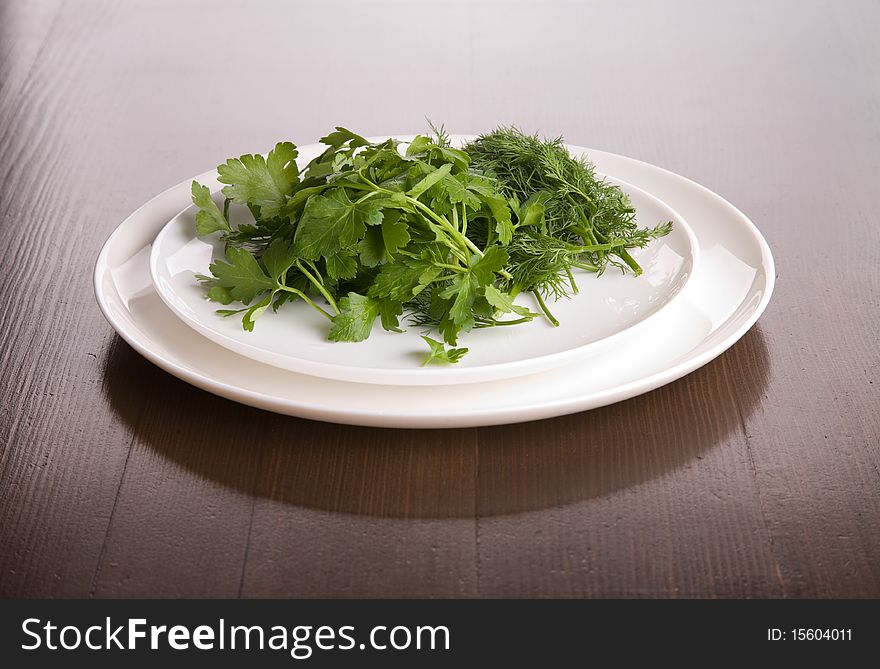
{"points": [[295, 338]]}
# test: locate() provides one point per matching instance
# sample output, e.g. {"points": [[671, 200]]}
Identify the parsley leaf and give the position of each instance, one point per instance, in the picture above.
{"points": [[425, 145], [332, 221], [429, 180], [219, 293], [501, 213], [372, 247], [400, 281], [255, 312], [389, 313], [264, 183], [395, 232], [278, 258], [419, 144], [504, 302], [381, 243], [462, 291], [452, 190], [493, 261], [354, 322], [241, 275], [342, 265], [531, 213], [208, 218], [342, 135], [439, 354]]}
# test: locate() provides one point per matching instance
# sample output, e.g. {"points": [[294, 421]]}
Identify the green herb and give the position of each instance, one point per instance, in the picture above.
{"points": [[439, 355], [567, 217], [443, 237]]}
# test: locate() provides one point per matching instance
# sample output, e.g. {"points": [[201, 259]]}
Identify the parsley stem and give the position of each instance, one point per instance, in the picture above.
{"points": [[454, 268], [453, 248], [367, 196], [455, 233], [306, 298], [447, 225], [311, 264], [443, 277], [442, 221], [354, 185], [375, 187], [494, 322], [317, 284]]}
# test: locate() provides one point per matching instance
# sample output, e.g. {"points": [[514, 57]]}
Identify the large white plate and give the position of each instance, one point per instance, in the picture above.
{"points": [[728, 292], [296, 337]]}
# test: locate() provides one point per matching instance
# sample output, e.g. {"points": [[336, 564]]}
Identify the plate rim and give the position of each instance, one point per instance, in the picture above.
{"points": [[418, 376], [474, 417]]}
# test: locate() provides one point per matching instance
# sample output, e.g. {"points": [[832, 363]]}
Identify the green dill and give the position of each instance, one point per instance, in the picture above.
{"points": [[587, 223]]}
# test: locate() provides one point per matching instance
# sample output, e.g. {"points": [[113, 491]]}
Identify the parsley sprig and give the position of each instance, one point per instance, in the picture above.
{"points": [[444, 236]]}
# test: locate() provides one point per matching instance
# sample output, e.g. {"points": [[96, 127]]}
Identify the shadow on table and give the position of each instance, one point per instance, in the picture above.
{"points": [[438, 473]]}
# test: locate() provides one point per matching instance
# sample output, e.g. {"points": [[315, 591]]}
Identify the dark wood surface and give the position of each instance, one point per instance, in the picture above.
{"points": [[757, 475]]}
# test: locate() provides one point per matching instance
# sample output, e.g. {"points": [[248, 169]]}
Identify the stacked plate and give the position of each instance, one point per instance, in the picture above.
{"points": [[703, 287]]}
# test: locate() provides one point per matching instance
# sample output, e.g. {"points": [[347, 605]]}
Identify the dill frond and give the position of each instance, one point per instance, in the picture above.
{"points": [[582, 211]]}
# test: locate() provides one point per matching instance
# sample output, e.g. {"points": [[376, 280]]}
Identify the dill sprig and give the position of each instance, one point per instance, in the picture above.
{"points": [[588, 222]]}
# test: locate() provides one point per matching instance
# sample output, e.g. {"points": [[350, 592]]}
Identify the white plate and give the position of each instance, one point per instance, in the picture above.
{"points": [[295, 338], [726, 295]]}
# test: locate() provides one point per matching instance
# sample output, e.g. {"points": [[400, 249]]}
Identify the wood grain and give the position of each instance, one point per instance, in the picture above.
{"points": [[755, 476]]}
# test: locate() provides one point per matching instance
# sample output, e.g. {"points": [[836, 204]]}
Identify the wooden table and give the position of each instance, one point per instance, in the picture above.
{"points": [[756, 476]]}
